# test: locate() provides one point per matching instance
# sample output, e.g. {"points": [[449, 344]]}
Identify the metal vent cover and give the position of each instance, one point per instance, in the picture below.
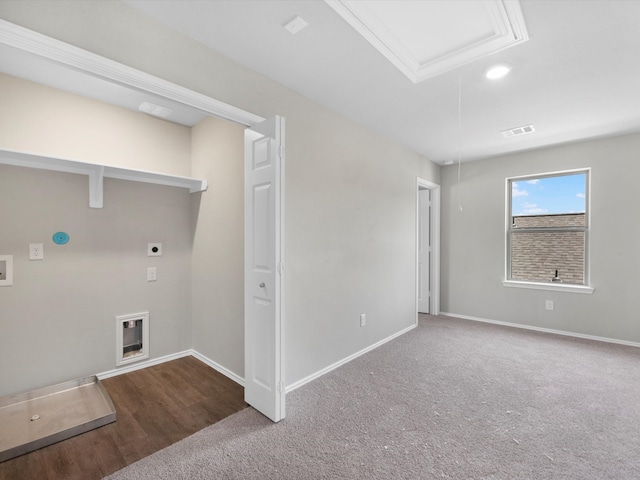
{"points": [[514, 132]]}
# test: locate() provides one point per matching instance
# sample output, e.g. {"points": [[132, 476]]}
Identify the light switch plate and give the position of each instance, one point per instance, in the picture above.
{"points": [[152, 274]]}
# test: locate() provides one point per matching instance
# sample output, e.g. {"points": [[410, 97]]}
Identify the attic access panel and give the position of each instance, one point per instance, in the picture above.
{"points": [[428, 38]]}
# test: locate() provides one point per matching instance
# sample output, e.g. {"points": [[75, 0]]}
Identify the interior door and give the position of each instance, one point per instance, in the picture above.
{"points": [[424, 251], [264, 187]]}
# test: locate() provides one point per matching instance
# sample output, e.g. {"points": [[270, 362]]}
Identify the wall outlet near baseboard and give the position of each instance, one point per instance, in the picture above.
{"points": [[363, 319], [549, 304]]}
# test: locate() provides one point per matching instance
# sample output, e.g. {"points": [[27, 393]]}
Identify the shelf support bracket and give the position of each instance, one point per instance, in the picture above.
{"points": [[97, 173], [96, 182]]}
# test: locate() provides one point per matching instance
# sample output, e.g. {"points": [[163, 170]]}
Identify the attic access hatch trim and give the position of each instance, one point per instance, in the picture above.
{"points": [[398, 38], [97, 173]]}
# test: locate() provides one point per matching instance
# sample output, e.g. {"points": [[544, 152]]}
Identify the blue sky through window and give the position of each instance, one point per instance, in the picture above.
{"points": [[549, 195]]}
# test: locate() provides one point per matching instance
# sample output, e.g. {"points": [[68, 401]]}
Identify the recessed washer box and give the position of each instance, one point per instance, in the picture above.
{"points": [[132, 338], [6, 270]]}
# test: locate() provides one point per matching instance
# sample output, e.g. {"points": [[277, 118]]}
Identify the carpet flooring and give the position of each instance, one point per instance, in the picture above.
{"points": [[450, 399]]}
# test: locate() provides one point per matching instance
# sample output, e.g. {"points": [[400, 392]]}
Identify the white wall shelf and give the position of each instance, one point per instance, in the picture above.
{"points": [[97, 173]]}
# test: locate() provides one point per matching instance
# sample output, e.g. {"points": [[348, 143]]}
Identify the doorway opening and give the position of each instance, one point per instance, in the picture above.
{"points": [[427, 248]]}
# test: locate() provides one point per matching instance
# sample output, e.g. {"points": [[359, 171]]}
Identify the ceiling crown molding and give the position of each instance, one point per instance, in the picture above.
{"points": [[504, 16], [89, 63]]}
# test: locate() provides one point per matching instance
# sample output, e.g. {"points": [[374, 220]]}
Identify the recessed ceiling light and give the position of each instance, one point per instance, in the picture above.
{"points": [[295, 25], [155, 110], [498, 71]]}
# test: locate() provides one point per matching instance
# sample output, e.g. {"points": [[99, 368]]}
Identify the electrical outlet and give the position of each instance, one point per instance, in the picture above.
{"points": [[549, 304], [363, 319], [152, 274], [3, 270], [154, 250], [36, 251]]}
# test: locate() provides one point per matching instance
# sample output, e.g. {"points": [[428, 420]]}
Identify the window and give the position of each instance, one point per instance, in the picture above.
{"points": [[548, 229]]}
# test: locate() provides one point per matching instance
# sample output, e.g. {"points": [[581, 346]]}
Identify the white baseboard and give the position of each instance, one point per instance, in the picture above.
{"points": [[141, 365], [216, 366], [319, 373], [239, 380], [541, 329], [168, 358]]}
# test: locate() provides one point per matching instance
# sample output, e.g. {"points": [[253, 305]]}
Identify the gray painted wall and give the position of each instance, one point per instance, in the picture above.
{"points": [[473, 241], [350, 240], [57, 321], [350, 194], [218, 245]]}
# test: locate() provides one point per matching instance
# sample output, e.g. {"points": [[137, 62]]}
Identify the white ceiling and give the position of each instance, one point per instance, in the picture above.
{"points": [[577, 75]]}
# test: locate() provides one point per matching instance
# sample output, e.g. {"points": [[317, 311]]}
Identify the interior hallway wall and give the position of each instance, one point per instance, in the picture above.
{"points": [[473, 242], [57, 321], [351, 239]]}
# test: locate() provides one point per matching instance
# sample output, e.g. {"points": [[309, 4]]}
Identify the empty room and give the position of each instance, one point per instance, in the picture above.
{"points": [[280, 239]]}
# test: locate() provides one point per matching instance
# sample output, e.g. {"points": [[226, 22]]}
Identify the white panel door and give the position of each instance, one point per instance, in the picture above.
{"points": [[264, 174], [424, 251]]}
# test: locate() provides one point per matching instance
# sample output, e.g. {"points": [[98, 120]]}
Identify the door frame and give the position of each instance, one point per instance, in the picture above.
{"points": [[434, 264], [91, 64]]}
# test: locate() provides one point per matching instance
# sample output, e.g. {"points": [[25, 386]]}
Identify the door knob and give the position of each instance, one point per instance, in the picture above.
{"points": [[262, 285]]}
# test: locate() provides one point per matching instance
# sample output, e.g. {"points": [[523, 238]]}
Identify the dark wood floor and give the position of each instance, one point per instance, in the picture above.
{"points": [[155, 407]]}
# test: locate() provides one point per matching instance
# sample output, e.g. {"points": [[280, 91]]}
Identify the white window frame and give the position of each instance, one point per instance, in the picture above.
{"points": [[558, 287]]}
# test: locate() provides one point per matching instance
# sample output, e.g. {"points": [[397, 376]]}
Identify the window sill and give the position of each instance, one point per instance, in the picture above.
{"points": [[556, 287]]}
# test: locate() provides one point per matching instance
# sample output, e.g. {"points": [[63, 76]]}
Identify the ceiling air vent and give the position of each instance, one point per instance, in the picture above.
{"points": [[155, 110], [514, 132]]}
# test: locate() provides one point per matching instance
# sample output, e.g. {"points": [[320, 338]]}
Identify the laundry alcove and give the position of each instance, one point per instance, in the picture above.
{"points": [[67, 329]]}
